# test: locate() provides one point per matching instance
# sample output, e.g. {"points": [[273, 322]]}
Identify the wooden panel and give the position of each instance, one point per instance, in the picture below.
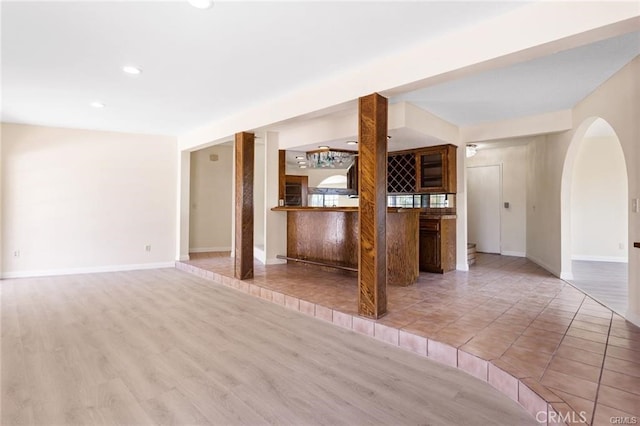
{"points": [[328, 237], [448, 244], [402, 248], [331, 237], [243, 256], [372, 270]]}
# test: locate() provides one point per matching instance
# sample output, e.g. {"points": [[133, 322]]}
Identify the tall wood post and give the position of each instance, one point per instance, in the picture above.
{"points": [[243, 256], [372, 264]]}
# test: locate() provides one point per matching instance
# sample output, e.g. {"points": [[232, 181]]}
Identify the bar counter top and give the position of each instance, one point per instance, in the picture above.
{"points": [[337, 209]]}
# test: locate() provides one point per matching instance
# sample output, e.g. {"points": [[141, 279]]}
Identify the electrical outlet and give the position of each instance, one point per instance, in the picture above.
{"points": [[635, 205], [621, 246], [147, 247], [16, 253]]}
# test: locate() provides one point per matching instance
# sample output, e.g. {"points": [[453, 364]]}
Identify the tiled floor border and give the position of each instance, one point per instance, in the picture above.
{"points": [[540, 409]]}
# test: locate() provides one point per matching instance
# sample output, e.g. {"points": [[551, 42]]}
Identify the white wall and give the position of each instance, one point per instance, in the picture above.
{"points": [[83, 201], [550, 174], [210, 227], [259, 195], [513, 160], [599, 216]]}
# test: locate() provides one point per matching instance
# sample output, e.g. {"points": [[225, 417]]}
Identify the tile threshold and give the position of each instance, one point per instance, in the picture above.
{"points": [[448, 355]]}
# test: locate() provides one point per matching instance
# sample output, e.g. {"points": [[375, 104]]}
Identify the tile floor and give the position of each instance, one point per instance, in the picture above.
{"points": [[507, 321]]}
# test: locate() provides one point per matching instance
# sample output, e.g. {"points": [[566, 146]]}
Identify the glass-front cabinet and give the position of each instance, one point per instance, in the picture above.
{"points": [[436, 169]]}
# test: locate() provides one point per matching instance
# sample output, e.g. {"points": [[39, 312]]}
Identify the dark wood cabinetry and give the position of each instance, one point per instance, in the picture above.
{"points": [[437, 251], [426, 170], [436, 169], [352, 176], [295, 190]]}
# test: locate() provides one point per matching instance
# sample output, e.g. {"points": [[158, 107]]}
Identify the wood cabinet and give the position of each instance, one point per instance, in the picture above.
{"points": [[295, 190], [437, 249], [436, 169], [426, 170], [352, 176]]}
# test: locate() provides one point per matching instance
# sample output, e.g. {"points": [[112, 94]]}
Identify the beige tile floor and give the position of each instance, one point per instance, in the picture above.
{"points": [[507, 321]]}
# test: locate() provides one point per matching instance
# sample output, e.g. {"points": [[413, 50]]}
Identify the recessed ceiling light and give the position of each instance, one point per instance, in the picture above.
{"points": [[130, 69], [303, 167], [201, 4], [97, 104], [323, 147], [299, 157], [388, 137], [352, 142], [302, 162]]}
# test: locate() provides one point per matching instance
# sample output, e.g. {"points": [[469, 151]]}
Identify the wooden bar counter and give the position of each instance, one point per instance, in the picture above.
{"points": [[329, 235]]}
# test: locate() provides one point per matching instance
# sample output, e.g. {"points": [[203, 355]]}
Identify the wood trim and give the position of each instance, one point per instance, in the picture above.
{"points": [[243, 256], [372, 177]]}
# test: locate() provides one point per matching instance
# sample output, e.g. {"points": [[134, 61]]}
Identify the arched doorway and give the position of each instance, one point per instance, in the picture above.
{"points": [[595, 215]]}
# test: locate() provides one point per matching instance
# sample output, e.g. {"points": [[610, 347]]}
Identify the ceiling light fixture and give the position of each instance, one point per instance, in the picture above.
{"points": [[201, 4], [352, 142], [130, 69], [320, 147], [97, 104], [330, 158], [299, 157], [472, 149], [303, 167], [302, 162]]}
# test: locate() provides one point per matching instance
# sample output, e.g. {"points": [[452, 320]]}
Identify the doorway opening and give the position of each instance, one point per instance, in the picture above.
{"points": [[597, 198], [484, 198]]}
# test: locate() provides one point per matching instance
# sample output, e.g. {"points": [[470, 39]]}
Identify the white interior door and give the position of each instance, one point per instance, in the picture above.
{"points": [[483, 207]]}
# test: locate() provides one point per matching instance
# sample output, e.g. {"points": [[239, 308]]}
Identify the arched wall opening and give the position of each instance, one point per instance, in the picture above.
{"points": [[594, 212]]}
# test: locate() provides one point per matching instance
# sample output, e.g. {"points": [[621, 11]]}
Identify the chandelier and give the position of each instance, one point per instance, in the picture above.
{"points": [[331, 158]]}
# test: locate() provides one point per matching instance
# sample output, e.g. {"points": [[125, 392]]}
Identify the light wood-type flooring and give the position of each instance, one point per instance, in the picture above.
{"points": [[606, 282], [507, 321], [167, 347]]}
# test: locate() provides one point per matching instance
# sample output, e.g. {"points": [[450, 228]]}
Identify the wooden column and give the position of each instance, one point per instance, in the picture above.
{"points": [[243, 256], [372, 264]]}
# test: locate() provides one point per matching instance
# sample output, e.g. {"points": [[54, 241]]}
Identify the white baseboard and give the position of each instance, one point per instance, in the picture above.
{"points": [[275, 261], [514, 253], [567, 276], [462, 266], [544, 265], [183, 258], [259, 254], [208, 249], [87, 270], [632, 318], [618, 259]]}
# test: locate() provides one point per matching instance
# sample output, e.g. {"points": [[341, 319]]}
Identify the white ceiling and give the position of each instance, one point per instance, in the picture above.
{"points": [[200, 66], [550, 83]]}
